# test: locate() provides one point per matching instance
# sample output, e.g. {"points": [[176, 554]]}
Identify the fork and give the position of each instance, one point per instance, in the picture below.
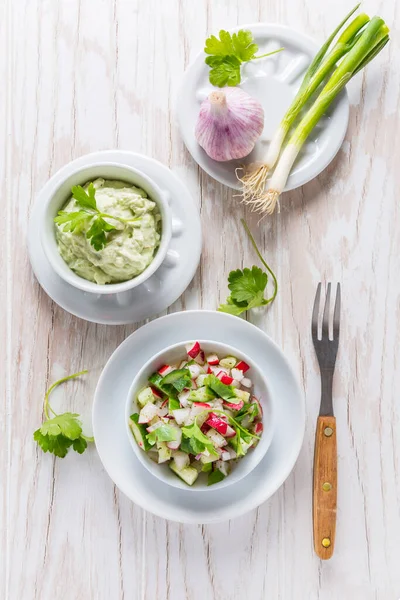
{"points": [[325, 454]]}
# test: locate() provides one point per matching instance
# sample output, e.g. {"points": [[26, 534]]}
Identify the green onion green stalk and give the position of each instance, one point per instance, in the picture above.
{"points": [[358, 44]]}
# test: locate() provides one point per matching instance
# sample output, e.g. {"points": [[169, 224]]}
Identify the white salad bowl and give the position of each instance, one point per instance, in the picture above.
{"points": [[60, 196], [242, 467]]}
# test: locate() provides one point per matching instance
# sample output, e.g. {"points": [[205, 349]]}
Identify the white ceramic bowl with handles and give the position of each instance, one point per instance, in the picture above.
{"points": [[55, 202], [175, 354]]}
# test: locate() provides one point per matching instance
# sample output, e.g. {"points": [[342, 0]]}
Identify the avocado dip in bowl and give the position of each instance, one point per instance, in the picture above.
{"points": [[106, 228]]}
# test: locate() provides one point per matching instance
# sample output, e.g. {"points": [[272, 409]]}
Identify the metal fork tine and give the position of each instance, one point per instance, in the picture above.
{"points": [[336, 314], [325, 318], [314, 321]]}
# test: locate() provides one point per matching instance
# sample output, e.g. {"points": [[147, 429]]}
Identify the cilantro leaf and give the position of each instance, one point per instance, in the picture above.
{"points": [[215, 477], [75, 222], [96, 233], [194, 431], [248, 286], [165, 433], [83, 198], [221, 389], [225, 70], [227, 53], [58, 434]]}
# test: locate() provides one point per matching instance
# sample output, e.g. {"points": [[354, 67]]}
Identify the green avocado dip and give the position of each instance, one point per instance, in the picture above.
{"points": [[108, 231]]}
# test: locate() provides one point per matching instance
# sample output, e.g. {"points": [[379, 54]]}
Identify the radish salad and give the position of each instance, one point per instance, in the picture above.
{"points": [[198, 415]]}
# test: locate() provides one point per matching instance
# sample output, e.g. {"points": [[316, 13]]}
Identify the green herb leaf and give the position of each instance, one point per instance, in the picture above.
{"points": [[221, 389], [68, 424], [247, 286], [227, 53], [195, 431], [215, 477], [83, 198], [75, 222], [96, 234], [165, 433]]}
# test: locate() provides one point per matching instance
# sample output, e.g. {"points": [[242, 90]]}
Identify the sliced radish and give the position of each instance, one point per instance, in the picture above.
{"points": [[212, 359], [202, 404], [148, 412], [200, 358], [230, 433], [174, 445], [235, 383], [259, 428], [204, 428], [181, 460], [154, 426], [181, 414], [222, 466], [226, 379], [225, 455], [237, 374], [234, 406], [246, 382], [217, 439], [242, 366], [164, 370], [183, 364], [164, 403], [217, 423], [183, 398], [193, 350], [231, 452], [163, 412], [200, 380], [209, 371], [156, 393], [195, 371]]}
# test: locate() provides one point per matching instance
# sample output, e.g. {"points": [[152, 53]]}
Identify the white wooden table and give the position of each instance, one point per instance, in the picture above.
{"points": [[86, 75]]}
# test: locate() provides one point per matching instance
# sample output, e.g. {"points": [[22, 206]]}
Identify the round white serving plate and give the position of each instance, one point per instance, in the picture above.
{"points": [[163, 287], [273, 81], [130, 475]]}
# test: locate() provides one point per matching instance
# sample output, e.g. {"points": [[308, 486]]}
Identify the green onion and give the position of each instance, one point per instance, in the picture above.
{"points": [[360, 42]]}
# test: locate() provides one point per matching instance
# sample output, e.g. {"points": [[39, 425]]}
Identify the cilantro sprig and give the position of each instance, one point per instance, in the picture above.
{"points": [[58, 433], [89, 218], [248, 286], [227, 53], [198, 441]]}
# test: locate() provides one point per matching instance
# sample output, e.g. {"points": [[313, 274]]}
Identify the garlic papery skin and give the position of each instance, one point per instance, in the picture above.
{"points": [[229, 124]]}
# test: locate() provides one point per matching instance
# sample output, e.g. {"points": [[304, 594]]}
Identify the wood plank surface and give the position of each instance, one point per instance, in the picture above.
{"points": [[87, 75]]}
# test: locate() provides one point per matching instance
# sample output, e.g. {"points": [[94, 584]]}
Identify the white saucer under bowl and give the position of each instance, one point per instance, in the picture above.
{"points": [[132, 477], [273, 81], [163, 287]]}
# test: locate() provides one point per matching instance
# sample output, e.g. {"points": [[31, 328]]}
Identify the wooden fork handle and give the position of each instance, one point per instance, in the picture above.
{"points": [[325, 487]]}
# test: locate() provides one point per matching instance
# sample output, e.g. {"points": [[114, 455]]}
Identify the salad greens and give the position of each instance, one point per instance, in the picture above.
{"points": [[227, 53], [247, 286], [58, 433]]}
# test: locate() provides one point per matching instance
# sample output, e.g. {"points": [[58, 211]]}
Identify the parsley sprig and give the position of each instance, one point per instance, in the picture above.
{"points": [[247, 286], [58, 433], [89, 218], [228, 53]]}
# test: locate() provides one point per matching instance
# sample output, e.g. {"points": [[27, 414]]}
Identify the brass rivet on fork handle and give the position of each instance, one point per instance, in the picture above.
{"points": [[326, 343]]}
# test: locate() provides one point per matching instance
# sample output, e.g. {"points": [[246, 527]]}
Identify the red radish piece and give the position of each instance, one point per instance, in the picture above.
{"points": [[204, 428], [164, 403], [212, 359], [221, 426], [154, 426], [259, 428], [183, 398], [226, 379], [204, 404], [163, 412], [200, 358], [181, 414], [209, 371], [148, 412], [225, 455], [181, 460], [230, 433], [232, 406], [235, 383], [217, 439], [195, 371], [164, 370], [156, 393], [193, 350], [176, 443], [246, 382], [237, 374], [242, 366]]}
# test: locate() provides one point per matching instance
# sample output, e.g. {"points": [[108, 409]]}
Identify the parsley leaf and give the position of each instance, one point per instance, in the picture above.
{"points": [[215, 477], [247, 286], [164, 433], [227, 53], [96, 233], [194, 431], [221, 389], [83, 198], [59, 433]]}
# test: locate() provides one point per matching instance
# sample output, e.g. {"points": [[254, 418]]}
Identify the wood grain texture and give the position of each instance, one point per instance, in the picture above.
{"points": [[86, 75], [325, 487]]}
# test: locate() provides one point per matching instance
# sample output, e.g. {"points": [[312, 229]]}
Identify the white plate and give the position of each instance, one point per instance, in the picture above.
{"points": [[168, 282], [112, 440], [274, 81]]}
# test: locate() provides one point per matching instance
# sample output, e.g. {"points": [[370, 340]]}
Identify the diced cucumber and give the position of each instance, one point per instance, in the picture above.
{"points": [[200, 380], [202, 394], [173, 404], [241, 394], [139, 432], [181, 459], [174, 375], [145, 395], [156, 381], [188, 474], [228, 362], [164, 453], [207, 467], [208, 458]]}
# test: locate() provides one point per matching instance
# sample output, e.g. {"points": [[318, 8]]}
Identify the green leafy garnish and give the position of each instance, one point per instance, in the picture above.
{"points": [[227, 53], [194, 431], [164, 433], [173, 404], [247, 286], [215, 477], [89, 218], [221, 389], [59, 433]]}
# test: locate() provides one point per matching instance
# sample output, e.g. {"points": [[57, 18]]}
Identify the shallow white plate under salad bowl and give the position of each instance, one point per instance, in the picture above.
{"points": [[163, 287], [175, 353], [130, 475], [273, 81]]}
